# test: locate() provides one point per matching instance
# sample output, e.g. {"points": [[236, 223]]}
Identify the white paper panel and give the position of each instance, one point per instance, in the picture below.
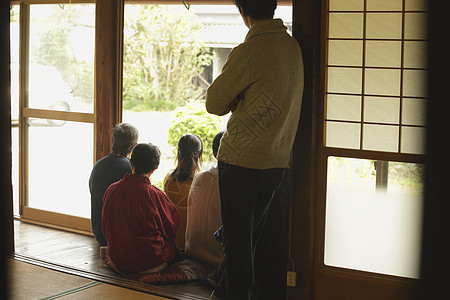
{"points": [[384, 25], [416, 5], [345, 53], [346, 5], [345, 80], [394, 80], [414, 112], [382, 110], [416, 26], [384, 5], [343, 135], [413, 140], [344, 108], [380, 138], [382, 82], [346, 25], [415, 54], [415, 83], [383, 54]]}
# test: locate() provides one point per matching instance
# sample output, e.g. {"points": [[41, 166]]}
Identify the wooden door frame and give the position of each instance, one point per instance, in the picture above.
{"points": [[306, 29], [108, 72], [6, 205]]}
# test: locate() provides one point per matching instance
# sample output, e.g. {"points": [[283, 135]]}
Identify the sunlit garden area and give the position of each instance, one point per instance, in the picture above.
{"points": [[170, 57], [168, 65]]}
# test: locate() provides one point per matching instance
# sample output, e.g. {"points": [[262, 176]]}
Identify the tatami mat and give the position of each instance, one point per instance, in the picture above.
{"points": [[108, 291], [32, 282], [28, 281]]}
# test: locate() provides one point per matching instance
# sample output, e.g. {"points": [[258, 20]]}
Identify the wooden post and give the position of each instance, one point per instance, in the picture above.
{"points": [[6, 210], [382, 174], [108, 72], [435, 261], [306, 29]]}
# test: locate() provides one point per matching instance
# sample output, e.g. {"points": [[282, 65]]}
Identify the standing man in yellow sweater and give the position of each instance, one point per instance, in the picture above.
{"points": [[262, 85]]}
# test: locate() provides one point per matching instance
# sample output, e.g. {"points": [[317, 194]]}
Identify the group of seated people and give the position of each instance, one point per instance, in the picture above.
{"points": [[144, 228]]}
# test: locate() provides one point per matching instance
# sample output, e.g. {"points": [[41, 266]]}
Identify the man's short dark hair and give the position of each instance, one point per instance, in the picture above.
{"points": [[125, 137], [216, 143], [257, 9], [145, 158]]}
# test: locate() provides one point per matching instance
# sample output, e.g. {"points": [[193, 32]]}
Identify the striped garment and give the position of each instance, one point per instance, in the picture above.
{"points": [[139, 223]]}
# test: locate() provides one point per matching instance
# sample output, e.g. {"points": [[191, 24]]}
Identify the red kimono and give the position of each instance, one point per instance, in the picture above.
{"points": [[139, 222]]}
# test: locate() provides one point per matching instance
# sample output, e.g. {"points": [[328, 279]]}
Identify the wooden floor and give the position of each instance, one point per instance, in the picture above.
{"points": [[28, 281], [79, 254]]}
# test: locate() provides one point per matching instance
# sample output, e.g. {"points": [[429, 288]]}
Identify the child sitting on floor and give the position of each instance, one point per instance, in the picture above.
{"points": [[139, 221]]}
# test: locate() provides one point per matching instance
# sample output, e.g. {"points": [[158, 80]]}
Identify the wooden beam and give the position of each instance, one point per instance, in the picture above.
{"points": [[108, 72], [66, 222], [198, 2], [58, 115]]}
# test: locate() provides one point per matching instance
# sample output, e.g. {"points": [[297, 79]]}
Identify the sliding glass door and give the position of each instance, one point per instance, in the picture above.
{"points": [[370, 196], [53, 98]]}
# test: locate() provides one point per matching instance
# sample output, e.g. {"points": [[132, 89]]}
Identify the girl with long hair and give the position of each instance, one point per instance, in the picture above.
{"points": [[177, 183]]}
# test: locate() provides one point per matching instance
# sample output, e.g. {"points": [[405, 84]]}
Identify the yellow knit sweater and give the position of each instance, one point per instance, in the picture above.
{"points": [[266, 72]]}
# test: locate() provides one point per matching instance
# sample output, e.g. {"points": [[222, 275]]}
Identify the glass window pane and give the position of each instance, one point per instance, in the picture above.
{"points": [[416, 26], [346, 5], [413, 140], [344, 107], [415, 54], [15, 168], [384, 5], [344, 80], [384, 26], [382, 110], [374, 224], [59, 166], [415, 83], [382, 82], [61, 70], [383, 54], [380, 138], [343, 135], [345, 25], [14, 44], [414, 112], [345, 53]]}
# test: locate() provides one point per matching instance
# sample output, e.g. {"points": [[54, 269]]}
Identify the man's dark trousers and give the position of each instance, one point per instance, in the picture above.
{"points": [[246, 196]]}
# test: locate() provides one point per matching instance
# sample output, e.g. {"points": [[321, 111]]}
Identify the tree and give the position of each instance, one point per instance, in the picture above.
{"points": [[55, 46], [163, 53], [13, 13]]}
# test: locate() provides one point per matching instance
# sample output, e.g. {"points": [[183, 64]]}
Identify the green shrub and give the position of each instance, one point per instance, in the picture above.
{"points": [[193, 118]]}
